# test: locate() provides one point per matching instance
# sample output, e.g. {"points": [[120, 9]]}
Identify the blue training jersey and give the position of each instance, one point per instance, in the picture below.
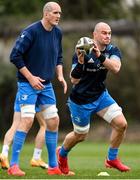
{"points": [[92, 82], [39, 50]]}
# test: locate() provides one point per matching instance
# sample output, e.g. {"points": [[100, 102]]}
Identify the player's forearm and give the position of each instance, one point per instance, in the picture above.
{"points": [[112, 65], [17, 59], [76, 73], [74, 81], [59, 71], [26, 73]]}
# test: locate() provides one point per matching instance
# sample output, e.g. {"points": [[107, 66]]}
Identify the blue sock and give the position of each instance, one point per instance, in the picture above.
{"points": [[112, 153], [63, 152], [51, 143], [18, 142]]}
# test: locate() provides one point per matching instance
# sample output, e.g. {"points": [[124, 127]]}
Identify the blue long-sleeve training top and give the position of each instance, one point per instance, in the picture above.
{"points": [[92, 83], [39, 50]]}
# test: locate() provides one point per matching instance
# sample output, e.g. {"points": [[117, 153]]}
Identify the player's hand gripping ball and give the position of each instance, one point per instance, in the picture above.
{"points": [[84, 44]]}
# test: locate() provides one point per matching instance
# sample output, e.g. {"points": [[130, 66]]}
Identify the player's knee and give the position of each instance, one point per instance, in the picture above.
{"points": [[25, 124], [53, 123], [122, 126], [40, 119], [50, 112], [29, 122], [27, 111], [42, 125], [112, 112], [81, 129], [80, 137]]}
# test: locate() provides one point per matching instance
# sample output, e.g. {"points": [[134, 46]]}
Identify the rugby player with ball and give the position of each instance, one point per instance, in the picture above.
{"points": [[89, 95]]}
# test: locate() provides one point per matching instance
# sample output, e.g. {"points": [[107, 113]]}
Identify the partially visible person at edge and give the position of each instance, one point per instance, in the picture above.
{"points": [[89, 95], [36, 160], [37, 54]]}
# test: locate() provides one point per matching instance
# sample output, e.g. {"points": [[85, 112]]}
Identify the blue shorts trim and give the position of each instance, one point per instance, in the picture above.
{"points": [[27, 95], [17, 105], [80, 114]]}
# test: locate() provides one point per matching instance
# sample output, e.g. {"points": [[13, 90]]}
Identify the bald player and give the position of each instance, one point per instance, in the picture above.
{"points": [[89, 95], [37, 54]]}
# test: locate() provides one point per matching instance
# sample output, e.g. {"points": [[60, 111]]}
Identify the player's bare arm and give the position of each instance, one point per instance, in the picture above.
{"points": [[80, 55], [113, 64], [36, 82], [60, 77]]}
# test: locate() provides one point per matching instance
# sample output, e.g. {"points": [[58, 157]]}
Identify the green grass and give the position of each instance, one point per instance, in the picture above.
{"points": [[87, 160]]}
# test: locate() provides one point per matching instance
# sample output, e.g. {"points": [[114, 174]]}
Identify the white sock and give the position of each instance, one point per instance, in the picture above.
{"points": [[5, 150], [37, 153]]}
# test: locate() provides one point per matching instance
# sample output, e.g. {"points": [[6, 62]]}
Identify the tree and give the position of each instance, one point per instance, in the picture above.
{"points": [[73, 9]]}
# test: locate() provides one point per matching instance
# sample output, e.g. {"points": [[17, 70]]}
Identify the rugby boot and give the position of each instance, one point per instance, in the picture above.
{"points": [[117, 164], [15, 171], [63, 163], [4, 161], [38, 163], [54, 171]]}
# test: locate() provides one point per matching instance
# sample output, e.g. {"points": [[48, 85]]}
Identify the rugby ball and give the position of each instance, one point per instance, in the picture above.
{"points": [[84, 44]]}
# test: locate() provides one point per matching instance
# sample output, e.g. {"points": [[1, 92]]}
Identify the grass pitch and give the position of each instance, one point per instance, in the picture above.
{"points": [[86, 160]]}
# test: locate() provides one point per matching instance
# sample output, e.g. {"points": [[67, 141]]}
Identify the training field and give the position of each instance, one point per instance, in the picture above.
{"points": [[87, 160]]}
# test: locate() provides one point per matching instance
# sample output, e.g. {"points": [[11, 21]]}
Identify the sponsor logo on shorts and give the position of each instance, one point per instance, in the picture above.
{"points": [[24, 97]]}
